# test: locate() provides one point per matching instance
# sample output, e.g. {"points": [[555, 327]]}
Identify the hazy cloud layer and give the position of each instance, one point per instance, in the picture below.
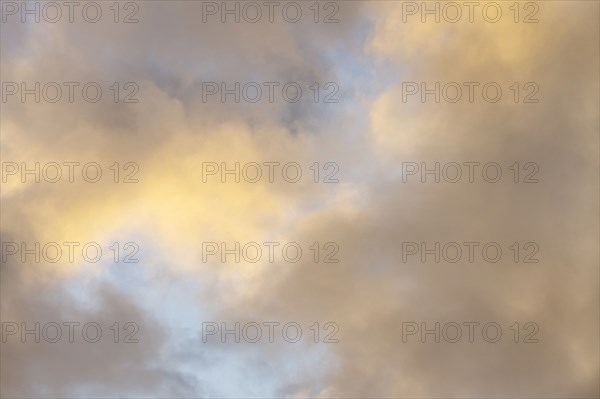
{"points": [[372, 134]]}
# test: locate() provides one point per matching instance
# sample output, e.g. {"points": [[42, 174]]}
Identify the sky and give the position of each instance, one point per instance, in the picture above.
{"points": [[416, 191]]}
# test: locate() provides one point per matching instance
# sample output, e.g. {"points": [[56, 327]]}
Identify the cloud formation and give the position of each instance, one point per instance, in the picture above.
{"points": [[375, 133]]}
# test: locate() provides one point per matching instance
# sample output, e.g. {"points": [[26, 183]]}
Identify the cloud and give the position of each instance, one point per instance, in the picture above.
{"points": [[369, 134]]}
